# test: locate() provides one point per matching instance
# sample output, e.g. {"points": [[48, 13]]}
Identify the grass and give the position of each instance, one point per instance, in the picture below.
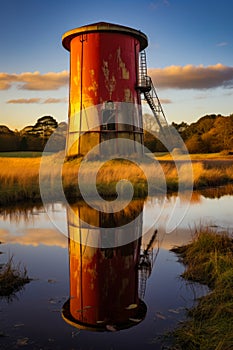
{"points": [[195, 156], [12, 278], [208, 259], [19, 177], [20, 154]]}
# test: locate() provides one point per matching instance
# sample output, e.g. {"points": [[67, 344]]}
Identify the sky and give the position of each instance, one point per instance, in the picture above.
{"points": [[189, 55]]}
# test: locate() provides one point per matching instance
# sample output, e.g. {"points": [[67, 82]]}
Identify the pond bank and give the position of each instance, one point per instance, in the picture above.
{"points": [[208, 259]]}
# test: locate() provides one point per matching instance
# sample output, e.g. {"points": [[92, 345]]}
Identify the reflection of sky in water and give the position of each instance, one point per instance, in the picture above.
{"points": [[35, 241], [17, 224], [35, 227], [205, 211]]}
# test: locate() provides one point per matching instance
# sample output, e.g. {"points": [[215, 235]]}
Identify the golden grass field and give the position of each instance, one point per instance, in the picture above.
{"points": [[19, 177]]}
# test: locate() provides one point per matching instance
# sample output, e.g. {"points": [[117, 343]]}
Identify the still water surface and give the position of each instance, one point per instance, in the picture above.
{"points": [[84, 297]]}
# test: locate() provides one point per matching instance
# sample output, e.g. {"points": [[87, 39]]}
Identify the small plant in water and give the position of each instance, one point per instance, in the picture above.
{"points": [[12, 278]]}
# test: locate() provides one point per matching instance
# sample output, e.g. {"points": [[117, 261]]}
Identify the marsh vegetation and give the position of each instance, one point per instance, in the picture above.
{"points": [[208, 259], [12, 278], [19, 178]]}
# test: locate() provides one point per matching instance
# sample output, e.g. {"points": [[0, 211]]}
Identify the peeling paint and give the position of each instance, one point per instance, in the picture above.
{"points": [[110, 82], [128, 95], [124, 70], [94, 86]]}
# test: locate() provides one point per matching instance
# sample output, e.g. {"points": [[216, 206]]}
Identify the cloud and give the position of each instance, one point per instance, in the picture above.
{"points": [[25, 100], [154, 5], [192, 77], [37, 100], [55, 100], [34, 80], [165, 101], [222, 43], [176, 77], [202, 96], [6, 80], [35, 237]]}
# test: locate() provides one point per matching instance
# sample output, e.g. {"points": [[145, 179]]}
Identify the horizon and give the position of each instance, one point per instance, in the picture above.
{"points": [[66, 121]]}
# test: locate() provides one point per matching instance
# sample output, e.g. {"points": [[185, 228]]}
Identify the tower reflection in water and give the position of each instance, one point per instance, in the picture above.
{"points": [[107, 279]]}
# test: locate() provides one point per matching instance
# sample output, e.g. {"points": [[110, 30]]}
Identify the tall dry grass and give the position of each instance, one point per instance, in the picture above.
{"points": [[208, 259], [205, 176], [19, 177], [12, 278]]}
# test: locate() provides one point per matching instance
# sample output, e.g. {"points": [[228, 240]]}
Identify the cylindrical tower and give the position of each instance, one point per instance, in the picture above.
{"points": [[104, 100], [104, 281]]}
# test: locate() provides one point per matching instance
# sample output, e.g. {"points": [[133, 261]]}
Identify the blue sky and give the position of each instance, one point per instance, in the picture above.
{"points": [[190, 54]]}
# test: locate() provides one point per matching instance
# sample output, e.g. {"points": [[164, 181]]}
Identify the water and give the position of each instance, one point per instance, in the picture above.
{"points": [[85, 297]]}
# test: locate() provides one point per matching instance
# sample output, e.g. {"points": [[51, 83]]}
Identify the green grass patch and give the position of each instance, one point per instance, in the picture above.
{"points": [[194, 156], [208, 259], [20, 154]]}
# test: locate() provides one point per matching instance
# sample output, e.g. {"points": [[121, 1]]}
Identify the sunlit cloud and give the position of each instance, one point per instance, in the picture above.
{"points": [[55, 100], [34, 80], [165, 101], [192, 77], [25, 100], [6, 80], [176, 77], [37, 100], [35, 237]]}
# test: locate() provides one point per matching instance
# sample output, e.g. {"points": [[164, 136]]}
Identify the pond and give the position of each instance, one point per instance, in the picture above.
{"points": [[93, 286]]}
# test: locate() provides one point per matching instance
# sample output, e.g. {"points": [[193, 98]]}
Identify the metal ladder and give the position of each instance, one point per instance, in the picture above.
{"points": [[146, 263], [144, 82], [146, 87]]}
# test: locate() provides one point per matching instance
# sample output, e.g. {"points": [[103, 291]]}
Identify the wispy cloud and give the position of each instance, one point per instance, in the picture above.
{"points": [[154, 5], [165, 101], [202, 96], [34, 80], [37, 100], [55, 100], [192, 77], [25, 100], [35, 237], [222, 43]]}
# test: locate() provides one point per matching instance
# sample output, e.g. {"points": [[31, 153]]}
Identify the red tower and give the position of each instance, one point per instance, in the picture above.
{"points": [[104, 285], [104, 100]]}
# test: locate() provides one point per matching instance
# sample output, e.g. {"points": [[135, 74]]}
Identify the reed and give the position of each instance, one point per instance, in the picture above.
{"points": [[208, 259], [19, 177], [12, 278]]}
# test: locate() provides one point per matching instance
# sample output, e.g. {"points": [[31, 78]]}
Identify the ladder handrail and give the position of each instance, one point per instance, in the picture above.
{"points": [[146, 87]]}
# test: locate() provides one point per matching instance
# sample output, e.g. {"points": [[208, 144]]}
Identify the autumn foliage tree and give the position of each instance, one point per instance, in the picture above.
{"points": [[211, 133]]}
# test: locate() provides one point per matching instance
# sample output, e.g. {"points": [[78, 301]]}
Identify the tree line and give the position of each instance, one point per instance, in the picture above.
{"points": [[210, 134], [34, 138]]}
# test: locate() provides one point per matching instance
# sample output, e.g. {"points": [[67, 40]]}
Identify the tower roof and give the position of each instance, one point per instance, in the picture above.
{"points": [[104, 27]]}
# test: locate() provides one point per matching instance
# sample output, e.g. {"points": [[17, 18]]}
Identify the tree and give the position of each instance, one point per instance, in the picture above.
{"points": [[23, 145], [195, 144]]}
